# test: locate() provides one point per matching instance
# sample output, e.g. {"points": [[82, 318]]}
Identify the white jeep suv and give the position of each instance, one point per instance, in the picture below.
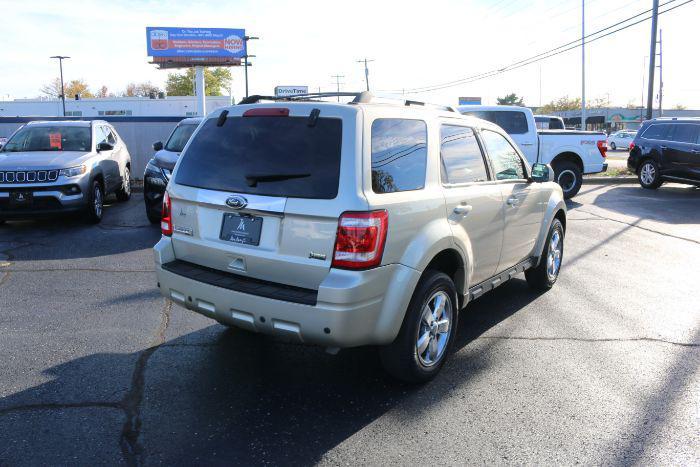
{"points": [[366, 223]]}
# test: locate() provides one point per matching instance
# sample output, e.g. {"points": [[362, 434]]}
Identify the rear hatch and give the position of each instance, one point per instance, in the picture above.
{"points": [[258, 192]]}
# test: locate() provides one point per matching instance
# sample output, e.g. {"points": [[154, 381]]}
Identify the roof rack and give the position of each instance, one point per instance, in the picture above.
{"points": [[363, 97]]}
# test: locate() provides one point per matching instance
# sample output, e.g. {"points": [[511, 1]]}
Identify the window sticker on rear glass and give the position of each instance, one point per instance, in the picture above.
{"points": [[55, 140]]}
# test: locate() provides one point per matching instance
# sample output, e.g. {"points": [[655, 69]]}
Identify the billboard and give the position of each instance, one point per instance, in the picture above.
{"points": [[195, 42], [470, 101], [282, 91]]}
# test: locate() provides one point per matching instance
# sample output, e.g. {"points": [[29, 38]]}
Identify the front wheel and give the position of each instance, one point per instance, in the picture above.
{"points": [[649, 176], [545, 274], [427, 333], [95, 205], [569, 177], [124, 192]]}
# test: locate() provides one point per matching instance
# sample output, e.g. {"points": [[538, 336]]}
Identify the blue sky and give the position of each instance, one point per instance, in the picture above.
{"points": [[413, 44]]}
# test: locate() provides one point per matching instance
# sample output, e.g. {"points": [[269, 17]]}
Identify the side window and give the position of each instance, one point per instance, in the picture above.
{"points": [[100, 136], [505, 159], [686, 133], [399, 152], [460, 156], [657, 131], [111, 139]]}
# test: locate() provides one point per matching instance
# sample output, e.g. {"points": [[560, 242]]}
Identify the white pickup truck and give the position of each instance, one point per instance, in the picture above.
{"points": [[570, 153]]}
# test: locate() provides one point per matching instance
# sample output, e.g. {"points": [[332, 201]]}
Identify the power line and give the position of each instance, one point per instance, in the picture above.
{"points": [[365, 61], [544, 55], [338, 83]]}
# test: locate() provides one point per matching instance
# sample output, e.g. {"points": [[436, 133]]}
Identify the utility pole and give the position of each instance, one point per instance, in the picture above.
{"points": [[365, 61], [583, 65], [63, 90], [338, 83], [652, 59], [661, 74], [245, 57]]}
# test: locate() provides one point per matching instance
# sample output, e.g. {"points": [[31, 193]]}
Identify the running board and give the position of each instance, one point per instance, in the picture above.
{"points": [[499, 279]]}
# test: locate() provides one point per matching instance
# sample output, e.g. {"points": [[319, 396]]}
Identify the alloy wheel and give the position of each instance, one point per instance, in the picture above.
{"points": [[554, 255], [647, 173], [434, 329]]}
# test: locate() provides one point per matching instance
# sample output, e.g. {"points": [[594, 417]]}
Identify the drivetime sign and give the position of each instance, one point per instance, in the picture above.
{"points": [[195, 42], [282, 91]]}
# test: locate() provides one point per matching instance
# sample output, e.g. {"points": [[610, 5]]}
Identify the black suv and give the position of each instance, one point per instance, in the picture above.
{"points": [[666, 149]]}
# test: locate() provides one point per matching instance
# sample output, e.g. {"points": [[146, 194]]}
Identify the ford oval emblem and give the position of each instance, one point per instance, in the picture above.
{"points": [[237, 202]]}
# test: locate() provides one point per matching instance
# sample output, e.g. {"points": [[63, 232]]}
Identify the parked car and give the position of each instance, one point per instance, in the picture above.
{"points": [[621, 139], [666, 149], [549, 122], [159, 168], [346, 225], [49, 168], [570, 153]]}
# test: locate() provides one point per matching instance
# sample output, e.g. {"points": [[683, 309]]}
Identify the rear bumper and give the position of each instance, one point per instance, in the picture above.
{"points": [[352, 308], [595, 168]]}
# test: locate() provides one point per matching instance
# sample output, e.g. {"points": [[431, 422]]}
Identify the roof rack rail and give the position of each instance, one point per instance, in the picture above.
{"points": [[363, 97]]}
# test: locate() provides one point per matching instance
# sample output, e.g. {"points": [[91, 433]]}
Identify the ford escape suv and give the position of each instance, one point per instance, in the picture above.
{"points": [[367, 223], [52, 168]]}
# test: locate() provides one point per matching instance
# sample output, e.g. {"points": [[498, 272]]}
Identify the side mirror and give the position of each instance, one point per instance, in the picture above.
{"points": [[104, 146], [542, 173], [158, 145]]}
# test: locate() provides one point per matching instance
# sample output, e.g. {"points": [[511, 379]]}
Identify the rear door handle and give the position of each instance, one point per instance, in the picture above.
{"points": [[513, 201], [462, 209], [527, 144]]}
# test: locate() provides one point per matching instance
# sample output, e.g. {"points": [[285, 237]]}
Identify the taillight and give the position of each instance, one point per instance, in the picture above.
{"points": [[166, 218], [267, 112], [603, 147], [359, 243], [631, 146]]}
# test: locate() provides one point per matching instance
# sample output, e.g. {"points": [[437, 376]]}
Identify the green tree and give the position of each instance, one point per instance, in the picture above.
{"points": [[679, 107], [73, 87], [144, 89], [510, 99], [563, 103], [216, 82]]}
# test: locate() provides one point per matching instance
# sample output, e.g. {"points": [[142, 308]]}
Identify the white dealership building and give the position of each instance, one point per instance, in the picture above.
{"points": [[175, 106]]}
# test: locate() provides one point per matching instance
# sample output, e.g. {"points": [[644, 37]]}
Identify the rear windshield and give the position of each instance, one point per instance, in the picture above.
{"points": [[514, 122], [49, 138], [179, 138], [275, 156]]}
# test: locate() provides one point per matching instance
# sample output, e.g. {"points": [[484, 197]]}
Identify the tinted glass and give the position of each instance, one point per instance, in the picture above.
{"points": [[556, 124], [505, 159], [657, 131], [686, 133], [50, 138], [276, 156], [179, 137], [461, 158], [513, 122], [399, 152], [111, 139], [100, 135]]}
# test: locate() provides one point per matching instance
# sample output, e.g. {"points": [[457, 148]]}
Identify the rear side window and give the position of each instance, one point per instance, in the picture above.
{"points": [[513, 122], [505, 159], [686, 133], [399, 152], [179, 137], [460, 156], [658, 131], [274, 156]]}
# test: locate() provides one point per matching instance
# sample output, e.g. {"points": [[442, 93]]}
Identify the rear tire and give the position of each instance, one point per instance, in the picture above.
{"points": [[568, 175], [427, 333], [95, 207], [153, 217], [649, 175], [545, 274], [124, 193]]}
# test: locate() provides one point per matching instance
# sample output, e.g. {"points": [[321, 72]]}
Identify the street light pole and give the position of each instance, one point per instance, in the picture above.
{"points": [[583, 65], [652, 58], [245, 64], [63, 90]]}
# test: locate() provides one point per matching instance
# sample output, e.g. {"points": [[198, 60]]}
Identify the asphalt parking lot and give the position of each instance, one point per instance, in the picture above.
{"points": [[97, 368]]}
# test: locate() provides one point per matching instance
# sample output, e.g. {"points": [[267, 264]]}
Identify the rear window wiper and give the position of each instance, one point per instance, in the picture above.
{"points": [[253, 179]]}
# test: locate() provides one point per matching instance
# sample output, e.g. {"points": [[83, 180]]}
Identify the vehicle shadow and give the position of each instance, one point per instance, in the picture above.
{"points": [[124, 228], [220, 396]]}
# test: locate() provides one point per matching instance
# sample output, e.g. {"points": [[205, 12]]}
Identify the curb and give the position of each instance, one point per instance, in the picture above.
{"points": [[603, 180]]}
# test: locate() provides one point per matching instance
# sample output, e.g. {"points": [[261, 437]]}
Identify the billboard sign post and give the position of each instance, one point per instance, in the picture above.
{"points": [[196, 42]]}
